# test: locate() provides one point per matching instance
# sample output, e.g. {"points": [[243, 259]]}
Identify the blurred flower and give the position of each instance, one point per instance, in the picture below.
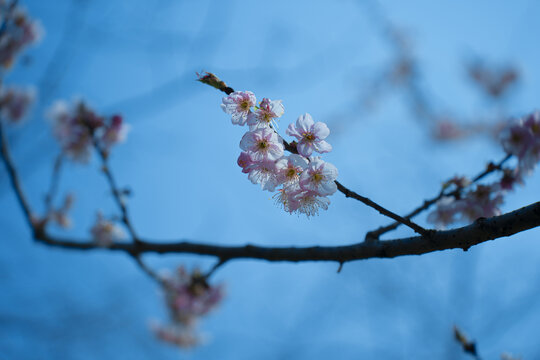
{"points": [[18, 32], [14, 103], [521, 138], [105, 232], [75, 127], [188, 297]]}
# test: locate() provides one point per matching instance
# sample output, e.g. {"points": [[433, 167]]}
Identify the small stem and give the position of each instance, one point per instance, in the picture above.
{"points": [[147, 269], [15, 181], [117, 195], [55, 181], [217, 265]]}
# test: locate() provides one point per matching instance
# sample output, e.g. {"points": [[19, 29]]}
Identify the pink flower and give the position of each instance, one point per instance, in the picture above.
{"points": [[263, 116], [114, 132], [14, 103], [238, 105], [105, 232], [289, 169], [176, 334], [446, 213], [189, 295], [307, 202], [484, 201], [245, 161], [310, 135], [19, 31], [77, 125], [522, 139], [319, 177], [263, 144], [264, 172]]}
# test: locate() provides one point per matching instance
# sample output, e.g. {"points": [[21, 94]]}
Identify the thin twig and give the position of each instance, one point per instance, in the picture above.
{"points": [[15, 181], [117, 194], [374, 235], [55, 181]]}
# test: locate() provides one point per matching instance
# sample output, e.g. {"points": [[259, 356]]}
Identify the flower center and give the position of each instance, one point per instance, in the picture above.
{"points": [[245, 105], [308, 136], [317, 178], [262, 145]]}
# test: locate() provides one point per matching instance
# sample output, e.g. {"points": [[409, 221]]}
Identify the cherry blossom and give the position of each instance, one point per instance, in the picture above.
{"points": [[310, 135], [77, 126], [306, 202], [264, 172], [14, 103], [19, 31], [319, 177], [105, 232], [238, 105], [188, 297], [522, 139], [289, 169], [263, 144], [263, 116]]}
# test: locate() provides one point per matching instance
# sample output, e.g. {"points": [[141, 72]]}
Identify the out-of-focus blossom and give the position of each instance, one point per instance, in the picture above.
{"points": [[113, 132], [319, 177], [177, 334], [18, 32], [263, 116], [522, 139], [15, 103], [60, 216], [188, 297], [447, 212], [447, 130], [310, 135], [262, 144], [77, 126], [105, 232], [238, 105], [484, 201]]}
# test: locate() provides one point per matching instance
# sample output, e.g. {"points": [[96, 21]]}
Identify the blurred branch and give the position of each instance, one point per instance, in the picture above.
{"points": [[467, 345]]}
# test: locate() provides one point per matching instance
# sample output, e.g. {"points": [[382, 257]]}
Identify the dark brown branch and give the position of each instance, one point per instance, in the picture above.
{"points": [[374, 235], [478, 232], [15, 182]]}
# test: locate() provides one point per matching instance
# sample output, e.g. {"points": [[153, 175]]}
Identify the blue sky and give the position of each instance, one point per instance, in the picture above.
{"points": [[139, 58]]}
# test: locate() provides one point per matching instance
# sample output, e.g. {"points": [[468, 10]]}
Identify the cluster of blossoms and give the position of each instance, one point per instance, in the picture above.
{"points": [[521, 138], [303, 181], [77, 128], [17, 32], [188, 297], [105, 232]]}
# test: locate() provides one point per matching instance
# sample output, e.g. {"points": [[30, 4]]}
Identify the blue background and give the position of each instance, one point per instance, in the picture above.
{"points": [[139, 58]]}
